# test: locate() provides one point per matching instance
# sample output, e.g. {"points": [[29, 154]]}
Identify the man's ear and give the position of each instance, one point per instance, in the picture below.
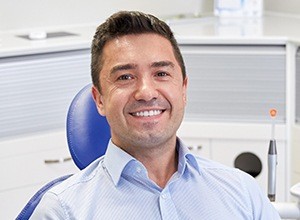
{"points": [[98, 99], [185, 82]]}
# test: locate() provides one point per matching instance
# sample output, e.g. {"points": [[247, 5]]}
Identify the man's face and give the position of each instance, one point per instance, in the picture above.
{"points": [[143, 94]]}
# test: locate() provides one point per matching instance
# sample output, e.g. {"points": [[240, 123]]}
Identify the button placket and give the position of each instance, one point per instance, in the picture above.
{"points": [[167, 207]]}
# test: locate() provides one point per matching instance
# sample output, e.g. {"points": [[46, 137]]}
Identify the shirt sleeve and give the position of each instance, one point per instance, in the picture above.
{"points": [[261, 205], [49, 208]]}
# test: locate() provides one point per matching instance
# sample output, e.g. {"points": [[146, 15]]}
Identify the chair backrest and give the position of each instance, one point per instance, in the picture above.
{"points": [[88, 134]]}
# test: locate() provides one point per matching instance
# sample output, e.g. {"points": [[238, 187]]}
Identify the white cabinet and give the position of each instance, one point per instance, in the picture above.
{"points": [[36, 90], [249, 155], [235, 83], [35, 93], [225, 142], [255, 154], [24, 168], [231, 89]]}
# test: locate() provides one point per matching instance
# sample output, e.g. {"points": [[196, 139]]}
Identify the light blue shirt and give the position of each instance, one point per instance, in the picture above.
{"points": [[117, 186]]}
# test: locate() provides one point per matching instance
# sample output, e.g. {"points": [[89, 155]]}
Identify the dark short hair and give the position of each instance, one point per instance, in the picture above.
{"points": [[125, 23]]}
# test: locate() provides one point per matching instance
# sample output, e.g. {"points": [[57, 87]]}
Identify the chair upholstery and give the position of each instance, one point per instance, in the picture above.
{"points": [[88, 134]]}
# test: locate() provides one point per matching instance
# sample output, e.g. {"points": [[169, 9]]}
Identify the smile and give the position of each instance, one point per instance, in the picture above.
{"points": [[147, 113]]}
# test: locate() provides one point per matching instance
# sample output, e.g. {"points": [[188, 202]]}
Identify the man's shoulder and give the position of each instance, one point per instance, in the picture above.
{"points": [[77, 180], [217, 171], [209, 164]]}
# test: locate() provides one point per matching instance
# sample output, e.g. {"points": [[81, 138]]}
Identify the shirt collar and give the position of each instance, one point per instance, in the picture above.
{"points": [[185, 157], [116, 160]]}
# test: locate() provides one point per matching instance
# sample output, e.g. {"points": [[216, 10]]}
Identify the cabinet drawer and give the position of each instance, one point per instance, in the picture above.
{"points": [[30, 169]]}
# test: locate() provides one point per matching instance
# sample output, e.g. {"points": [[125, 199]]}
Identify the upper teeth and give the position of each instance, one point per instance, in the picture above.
{"points": [[148, 113]]}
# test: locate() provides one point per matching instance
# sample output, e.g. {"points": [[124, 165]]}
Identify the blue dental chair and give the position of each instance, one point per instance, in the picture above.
{"points": [[88, 134]]}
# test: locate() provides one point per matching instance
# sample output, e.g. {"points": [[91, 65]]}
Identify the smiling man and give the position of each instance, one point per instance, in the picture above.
{"points": [[140, 85], [143, 95]]}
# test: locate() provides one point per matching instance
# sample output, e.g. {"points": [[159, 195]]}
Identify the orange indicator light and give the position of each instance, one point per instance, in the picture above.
{"points": [[273, 112]]}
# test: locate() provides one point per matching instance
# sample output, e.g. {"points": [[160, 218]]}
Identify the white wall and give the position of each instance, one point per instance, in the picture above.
{"points": [[277, 6], [16, 14]]}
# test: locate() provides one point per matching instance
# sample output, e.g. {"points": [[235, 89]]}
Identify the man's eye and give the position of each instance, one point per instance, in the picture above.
{"points": [[125, 77], [162, 74]]}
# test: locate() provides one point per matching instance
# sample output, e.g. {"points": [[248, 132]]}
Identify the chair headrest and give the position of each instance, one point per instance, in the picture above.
{"points": [[88, 132]]}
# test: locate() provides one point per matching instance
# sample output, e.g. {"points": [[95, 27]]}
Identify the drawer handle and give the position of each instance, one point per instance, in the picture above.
{"points": [[198, 147], [61, 160]]}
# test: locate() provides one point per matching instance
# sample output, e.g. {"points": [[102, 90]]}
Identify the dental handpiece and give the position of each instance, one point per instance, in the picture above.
{"points": [[272, 161]]}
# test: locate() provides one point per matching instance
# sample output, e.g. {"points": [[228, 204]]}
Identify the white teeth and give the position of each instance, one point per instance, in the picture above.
{"points": [[148, 113]]}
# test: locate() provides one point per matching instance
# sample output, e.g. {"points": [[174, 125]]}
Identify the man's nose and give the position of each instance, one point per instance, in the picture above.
{"points": [[146, 90]]}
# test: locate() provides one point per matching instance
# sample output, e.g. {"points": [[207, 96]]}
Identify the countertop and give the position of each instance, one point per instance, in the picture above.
{"points": [[13, 45], [269, 30], [213, 30]]}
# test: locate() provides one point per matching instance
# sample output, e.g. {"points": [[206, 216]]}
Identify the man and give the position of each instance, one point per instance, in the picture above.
{"points": [[147, 173]]}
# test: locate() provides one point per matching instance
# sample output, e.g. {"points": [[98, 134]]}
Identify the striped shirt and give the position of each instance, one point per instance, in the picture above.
{"points": [[116, 186]]}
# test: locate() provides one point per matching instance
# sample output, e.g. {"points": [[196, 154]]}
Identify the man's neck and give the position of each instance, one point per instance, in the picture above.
{"points": [[161, 160], [160, 165]]}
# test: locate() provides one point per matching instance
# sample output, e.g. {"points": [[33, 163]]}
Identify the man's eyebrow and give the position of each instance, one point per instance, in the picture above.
{"points": [[128, 66], [163, 64]]}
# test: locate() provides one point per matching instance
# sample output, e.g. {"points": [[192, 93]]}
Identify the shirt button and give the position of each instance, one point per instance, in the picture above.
{"points": [[164, 196], [138, 169]]}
